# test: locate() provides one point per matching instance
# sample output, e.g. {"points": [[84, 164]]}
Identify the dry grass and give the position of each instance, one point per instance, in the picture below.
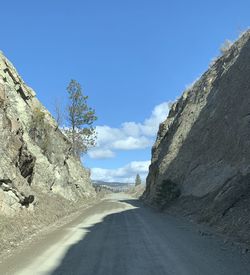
{"points": [[137, 191], [49, 210]]}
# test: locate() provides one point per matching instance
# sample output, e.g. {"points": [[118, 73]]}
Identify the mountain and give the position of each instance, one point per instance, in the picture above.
{"points": [[201, 158], [36, 158]]}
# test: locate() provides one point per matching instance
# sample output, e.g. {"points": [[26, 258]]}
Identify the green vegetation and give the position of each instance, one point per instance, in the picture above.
{"points": [[137, 180], [167, 192], [38, 117], [80, 120], [39, 131]]}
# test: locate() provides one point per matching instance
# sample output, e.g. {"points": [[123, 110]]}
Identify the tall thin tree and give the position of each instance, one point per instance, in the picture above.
{"points": [[137, 180], [80, 118]]}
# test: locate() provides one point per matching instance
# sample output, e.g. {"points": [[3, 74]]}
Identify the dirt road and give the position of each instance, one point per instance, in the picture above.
{"points": [[120, 236]]}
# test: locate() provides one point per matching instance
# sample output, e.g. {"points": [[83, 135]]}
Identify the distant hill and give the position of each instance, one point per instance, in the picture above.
{"points": [[116, 186]]}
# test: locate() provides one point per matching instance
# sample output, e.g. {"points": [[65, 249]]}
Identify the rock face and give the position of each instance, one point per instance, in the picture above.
{"points": [[203, 147], [35, 155]]}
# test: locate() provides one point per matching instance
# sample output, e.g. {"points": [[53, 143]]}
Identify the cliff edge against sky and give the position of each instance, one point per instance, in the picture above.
{"points": [[201, 157], [35, 155]]}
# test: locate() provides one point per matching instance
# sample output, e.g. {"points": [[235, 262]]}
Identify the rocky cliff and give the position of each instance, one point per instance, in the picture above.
{"points": [[35, 155], [201, 158]]}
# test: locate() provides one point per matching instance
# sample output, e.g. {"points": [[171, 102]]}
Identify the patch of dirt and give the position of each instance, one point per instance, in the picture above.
{"points": [[50, 212], [136, 191], [234, 224]]}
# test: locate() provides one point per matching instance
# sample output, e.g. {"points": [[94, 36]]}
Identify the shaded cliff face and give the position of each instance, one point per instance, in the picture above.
{"points": [[203, 147], [35, 155]]}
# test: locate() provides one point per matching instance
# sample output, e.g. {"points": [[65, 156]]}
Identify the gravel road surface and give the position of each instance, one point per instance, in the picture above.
{"points": [[120, 236]]}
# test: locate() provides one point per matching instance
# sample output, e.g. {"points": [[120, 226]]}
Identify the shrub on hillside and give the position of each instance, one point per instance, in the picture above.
{"points": [[39, 131], [225, 46], [166, 192]]}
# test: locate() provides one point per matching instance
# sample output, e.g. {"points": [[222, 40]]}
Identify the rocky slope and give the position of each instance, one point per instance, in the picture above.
{"points": [[35, 155], [201, 158]]}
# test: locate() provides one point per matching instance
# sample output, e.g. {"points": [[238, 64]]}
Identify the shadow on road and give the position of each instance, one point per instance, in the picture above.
{"points": [[142, 241], [108, 247]]}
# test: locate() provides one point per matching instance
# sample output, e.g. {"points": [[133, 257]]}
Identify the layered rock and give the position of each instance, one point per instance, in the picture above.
{"points": [[35, 154], [202, 151]]}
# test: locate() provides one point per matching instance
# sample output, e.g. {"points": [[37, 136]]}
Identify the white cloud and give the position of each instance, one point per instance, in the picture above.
{"points": [[132, 143], [131, 129], [159, 114], [124, 174], [101, 153], [130, 135], [107, 135]]}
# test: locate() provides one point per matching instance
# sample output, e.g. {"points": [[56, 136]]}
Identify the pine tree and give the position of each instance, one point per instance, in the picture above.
{"points": [[137, 180], [80, 118]]}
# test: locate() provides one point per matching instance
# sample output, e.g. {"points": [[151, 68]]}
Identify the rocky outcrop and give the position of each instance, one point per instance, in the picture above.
{"points": [[203, 147], [35, 154]]}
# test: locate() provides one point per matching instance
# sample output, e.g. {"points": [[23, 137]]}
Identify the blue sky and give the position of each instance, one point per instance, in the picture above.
{"points": [[131, 57]]}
